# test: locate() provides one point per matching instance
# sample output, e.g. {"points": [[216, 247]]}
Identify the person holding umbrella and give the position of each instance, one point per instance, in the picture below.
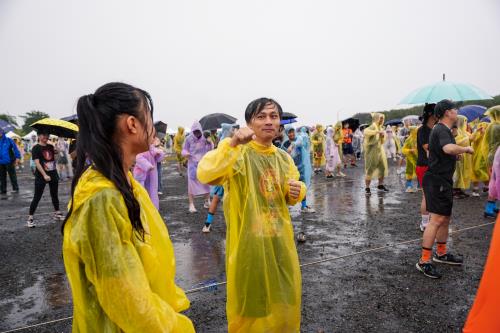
{"points": [[43, 154], [9, 158], [423, 134]]}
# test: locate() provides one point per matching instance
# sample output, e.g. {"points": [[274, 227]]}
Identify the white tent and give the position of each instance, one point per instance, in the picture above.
{"points": [[29, 135]]}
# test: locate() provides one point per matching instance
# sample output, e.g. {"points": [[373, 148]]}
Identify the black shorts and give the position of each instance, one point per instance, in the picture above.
{"points": [[347, 149], [438, 196]]}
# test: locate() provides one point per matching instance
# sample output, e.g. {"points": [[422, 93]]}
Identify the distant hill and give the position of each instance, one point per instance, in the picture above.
{"points": [[365, 118]]}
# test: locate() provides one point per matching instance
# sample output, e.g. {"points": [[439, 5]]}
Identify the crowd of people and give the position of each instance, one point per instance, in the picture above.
{"points": [[117, 252]]}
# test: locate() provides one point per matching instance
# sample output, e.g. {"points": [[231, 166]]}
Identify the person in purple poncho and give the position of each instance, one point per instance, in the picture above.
{"points": [[146, 173], [195, 147]]}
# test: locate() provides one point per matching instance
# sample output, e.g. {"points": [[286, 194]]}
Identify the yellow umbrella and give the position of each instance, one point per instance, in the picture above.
{"points": [[56, 127]]}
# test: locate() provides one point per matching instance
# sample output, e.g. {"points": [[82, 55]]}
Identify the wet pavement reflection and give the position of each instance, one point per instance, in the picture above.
{"points": [[34, 287]]}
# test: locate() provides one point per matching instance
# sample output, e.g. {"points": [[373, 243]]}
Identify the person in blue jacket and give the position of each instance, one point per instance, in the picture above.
{"points": [[9, 157]]}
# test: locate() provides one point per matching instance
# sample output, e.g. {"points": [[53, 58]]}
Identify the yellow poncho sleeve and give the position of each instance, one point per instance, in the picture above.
{"points": [[104, 263]]}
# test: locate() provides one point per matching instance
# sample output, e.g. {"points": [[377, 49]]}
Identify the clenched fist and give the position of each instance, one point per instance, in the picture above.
{"points": [[242, 136], [295, 187]]}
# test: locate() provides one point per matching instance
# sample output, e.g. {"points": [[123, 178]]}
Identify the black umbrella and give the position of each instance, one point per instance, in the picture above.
{"points": [[214, 121], [287, 116], [72, 119], [393, 122], [353, 123], [161, 129]]}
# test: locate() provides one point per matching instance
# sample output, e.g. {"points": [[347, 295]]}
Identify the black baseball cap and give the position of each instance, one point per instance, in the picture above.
{"points": [[443, 106]]}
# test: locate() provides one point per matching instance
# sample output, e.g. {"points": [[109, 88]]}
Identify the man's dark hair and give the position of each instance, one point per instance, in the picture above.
{"points": [[258, 105], [443, 106]]}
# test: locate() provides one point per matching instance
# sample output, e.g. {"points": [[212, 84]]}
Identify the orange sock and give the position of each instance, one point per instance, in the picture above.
{"points": [[441, 249], [426, 255]]}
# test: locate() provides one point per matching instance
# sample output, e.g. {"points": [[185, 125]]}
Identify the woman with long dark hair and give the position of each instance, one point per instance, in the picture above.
{"points": [[117, 252]]}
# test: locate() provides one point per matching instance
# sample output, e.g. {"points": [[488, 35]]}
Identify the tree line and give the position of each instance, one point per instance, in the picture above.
{"points": [[365, 118]]}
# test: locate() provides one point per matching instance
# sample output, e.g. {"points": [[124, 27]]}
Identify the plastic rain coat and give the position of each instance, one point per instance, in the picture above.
{"points": [[303, 144], [375, 158], [480, 156], [120, 283], [194, 149], [463, 169], [318, 146], [179, 139], [338, 138], [390, 142], [491, 140], [331, 152], [262, 266], [484, 314], [411, 153], [146, 172]]}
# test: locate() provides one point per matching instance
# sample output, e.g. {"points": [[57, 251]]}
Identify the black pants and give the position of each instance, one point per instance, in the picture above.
{"points": [[11, 170], [40, 186]]}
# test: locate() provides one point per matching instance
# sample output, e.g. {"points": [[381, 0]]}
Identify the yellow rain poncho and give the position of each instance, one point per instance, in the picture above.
{"points": [[179, 139], [480, 156], [262, 266], [318, 146], [397, 140], [338, 138], [411, 153], [120, 283], [463, 169], [375, 158], [490, 140]]}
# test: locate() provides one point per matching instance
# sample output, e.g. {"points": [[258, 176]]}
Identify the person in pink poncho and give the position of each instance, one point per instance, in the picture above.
{"points": [[195, 147], [146, 173]]}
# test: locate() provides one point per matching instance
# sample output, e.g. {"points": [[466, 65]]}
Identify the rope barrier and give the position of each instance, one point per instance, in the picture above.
{"points": [[213, 285]]}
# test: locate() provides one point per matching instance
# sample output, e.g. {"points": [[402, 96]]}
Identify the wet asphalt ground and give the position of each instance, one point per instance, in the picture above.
{"points": [[374, 291]]}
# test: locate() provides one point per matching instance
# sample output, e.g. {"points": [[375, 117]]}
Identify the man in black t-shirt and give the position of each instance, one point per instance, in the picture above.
{"points": [[438, 189], [423, 135], [43, 154]]}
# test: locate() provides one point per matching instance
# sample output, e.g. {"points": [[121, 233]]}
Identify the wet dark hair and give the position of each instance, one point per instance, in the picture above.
{"points": [[428, 112], [97, 118], [258, 105]]}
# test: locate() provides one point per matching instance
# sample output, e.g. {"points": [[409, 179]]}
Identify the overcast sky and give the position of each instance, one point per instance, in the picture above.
{"points": [[320, 59]]}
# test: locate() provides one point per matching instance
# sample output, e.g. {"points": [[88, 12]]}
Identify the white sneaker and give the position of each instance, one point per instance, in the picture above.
{"points": [[341, 174], [30, 223], [206, 205], [308, 209], [398, 171], [58, 216], [475, 194], [206, 229], [192, 209], [160, 193]]}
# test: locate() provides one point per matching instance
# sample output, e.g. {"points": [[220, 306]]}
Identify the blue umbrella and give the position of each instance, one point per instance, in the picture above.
{"points": [[5, 126], [445, 90], [472, 112], [288, 121]]}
